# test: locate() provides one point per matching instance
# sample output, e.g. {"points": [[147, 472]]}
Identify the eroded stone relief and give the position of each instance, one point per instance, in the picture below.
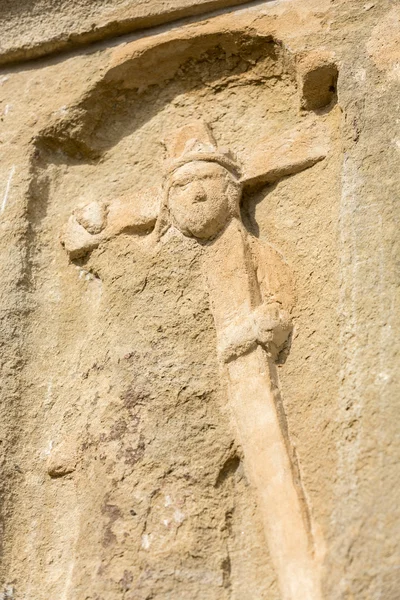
{"points": [[149, 365], [251, 295], [182, 317]]}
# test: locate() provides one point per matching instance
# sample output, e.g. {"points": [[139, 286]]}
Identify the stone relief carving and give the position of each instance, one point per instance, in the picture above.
{"points": [[251, 296]]}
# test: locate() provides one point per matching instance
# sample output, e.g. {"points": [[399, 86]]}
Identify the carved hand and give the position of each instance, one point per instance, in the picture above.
{"points": [[83, 230], [95, 222], [92, 216], [267, 325]]}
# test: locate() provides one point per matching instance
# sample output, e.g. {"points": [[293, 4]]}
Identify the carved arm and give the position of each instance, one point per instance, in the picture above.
{"points": [[92, 223]]}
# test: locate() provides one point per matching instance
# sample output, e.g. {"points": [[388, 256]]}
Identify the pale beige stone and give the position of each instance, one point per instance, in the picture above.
{"points": [[201, 201], [287, 153], [317, 75], [30, 31], [62, 459], [383, 45], [133, 425]]}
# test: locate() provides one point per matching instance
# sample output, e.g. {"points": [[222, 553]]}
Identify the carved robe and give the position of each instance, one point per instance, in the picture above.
{"points": [[162, 436]]}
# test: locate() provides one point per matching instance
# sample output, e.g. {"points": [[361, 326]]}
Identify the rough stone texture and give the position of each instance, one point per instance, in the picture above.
{"points": [[31, 29], [122, 475]]}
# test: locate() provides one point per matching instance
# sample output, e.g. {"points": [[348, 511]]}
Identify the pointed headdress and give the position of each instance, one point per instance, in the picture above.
{"points": [[195, 142]]}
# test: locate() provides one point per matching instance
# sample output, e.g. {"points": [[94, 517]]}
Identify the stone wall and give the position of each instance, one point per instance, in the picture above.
{"points": [[126, 470]]}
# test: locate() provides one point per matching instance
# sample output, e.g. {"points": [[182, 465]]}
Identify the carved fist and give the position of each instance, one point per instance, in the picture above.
{"points": [[267, 325], [273, 326], [90, 224], [93, 216], [83, 232]]}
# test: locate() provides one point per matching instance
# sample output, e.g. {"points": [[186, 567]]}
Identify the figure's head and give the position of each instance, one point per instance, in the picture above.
{"points": [[203, 196], [202, 186]]}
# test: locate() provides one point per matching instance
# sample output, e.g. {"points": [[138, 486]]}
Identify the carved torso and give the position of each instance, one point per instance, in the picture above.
{"points": [[160, 437]]}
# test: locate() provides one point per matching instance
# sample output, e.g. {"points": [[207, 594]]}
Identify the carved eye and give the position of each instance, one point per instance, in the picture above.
{"points": [[181, 185]]}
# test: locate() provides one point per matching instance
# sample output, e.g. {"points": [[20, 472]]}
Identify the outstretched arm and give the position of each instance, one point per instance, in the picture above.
{"points": [[90, 224]]}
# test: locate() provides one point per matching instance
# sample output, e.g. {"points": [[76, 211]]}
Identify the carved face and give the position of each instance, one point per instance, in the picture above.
{"points": [[200, 199]]}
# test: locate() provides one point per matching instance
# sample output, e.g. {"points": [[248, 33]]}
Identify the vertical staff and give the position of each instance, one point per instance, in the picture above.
{"points": [[253, 394]]}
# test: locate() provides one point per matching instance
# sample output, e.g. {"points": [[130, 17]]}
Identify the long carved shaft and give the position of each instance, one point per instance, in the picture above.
{"points": [[253, 394]]}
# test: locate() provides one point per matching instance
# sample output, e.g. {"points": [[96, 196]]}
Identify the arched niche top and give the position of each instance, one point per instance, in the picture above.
{"points": [[135, 67], [160, 62]]}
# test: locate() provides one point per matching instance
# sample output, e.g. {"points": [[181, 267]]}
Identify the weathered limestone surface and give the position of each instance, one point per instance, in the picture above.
{"points": [[33, 29], [132, 327]]}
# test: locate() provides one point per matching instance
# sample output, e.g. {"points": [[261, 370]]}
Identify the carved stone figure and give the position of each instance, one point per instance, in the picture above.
{"points": [[251, 297]]}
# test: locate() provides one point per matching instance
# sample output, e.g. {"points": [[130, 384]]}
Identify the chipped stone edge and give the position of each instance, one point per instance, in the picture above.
{"points": [[68, 42]]}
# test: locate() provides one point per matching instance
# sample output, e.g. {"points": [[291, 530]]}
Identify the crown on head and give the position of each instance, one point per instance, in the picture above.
{"points": [[195, 142]]}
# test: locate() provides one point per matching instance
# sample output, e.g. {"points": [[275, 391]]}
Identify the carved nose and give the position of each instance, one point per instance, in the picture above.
{"points": [[199, 195]]}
